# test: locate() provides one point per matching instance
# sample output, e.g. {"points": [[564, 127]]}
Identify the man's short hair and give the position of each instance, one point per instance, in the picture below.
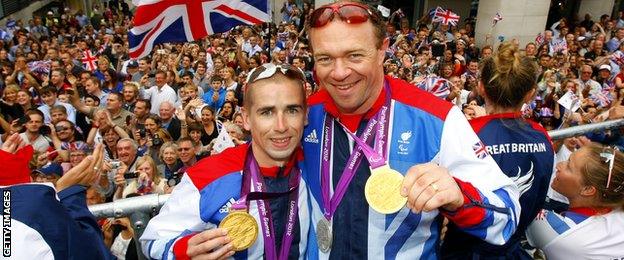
{"points": [[58, 108], [161, 72], [47, 90], [133, 143], [148, 104], [118, 95], [184, 139], [95, 98], [33, 111], [216, 78], [60, 71]]}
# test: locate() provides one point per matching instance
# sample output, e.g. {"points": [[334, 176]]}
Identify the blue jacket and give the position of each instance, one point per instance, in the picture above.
{"points": [[43, 226], [203, 198], [523, 150], [422, 129]]}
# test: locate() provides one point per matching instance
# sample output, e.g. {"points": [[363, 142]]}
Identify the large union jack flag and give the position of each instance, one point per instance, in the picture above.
{"points": [[159, 21]]}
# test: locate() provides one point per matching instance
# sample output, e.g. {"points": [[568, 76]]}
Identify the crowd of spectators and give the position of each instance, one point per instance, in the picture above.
{"points": [[160, 114]]}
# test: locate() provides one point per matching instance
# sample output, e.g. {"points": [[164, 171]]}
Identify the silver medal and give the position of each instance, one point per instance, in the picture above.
{"points": [[324, 235]]}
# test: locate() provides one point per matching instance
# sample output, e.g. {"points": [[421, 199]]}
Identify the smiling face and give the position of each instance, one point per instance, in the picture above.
{"points": [[349, 66], [23, 98], [275, 115], [170, 155], [568, 179], [186, 151], [66, 131]]}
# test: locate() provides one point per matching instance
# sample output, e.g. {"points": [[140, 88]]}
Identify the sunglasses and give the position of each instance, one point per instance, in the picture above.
{"points": [[267, 70], [348, 12], [60, 128], [184, 149]]}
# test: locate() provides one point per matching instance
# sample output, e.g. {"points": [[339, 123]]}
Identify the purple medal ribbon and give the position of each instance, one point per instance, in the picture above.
{"points": [[252, 174], [374, 156]]}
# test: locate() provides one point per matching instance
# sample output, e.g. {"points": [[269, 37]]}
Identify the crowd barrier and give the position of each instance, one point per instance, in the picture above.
{"points": [[139, 209]]}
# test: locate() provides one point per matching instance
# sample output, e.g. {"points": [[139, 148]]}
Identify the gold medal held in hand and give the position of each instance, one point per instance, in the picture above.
{"points": [[383, 190], [242, 229]]}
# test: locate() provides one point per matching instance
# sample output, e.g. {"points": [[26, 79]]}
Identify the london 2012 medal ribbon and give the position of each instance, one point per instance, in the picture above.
{"points": [[383, 187], [238, 222], [378, 124]]}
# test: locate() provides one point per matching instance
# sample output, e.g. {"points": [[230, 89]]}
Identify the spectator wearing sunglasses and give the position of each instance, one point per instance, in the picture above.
{"points": [[275, 112], [446, 170]]}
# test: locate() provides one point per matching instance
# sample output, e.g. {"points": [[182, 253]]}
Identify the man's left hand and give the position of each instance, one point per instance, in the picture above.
{"points": [[428, 186]]}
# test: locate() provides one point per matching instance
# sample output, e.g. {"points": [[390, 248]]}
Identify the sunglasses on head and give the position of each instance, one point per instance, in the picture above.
{"points": [[267, 70], [348, 12]]}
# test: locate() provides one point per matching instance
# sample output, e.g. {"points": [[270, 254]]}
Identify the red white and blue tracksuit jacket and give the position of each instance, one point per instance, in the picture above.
{"points": [[203, 197], [524, 152], [422, 129]]}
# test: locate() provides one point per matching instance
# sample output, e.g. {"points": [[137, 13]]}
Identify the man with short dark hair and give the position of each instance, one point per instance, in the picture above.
{"points": [[93, 87], [33, 135], [114, 107], [160, 92], [186, 151], [141, 111], [57, 80], [421, 160], [274, 110]]}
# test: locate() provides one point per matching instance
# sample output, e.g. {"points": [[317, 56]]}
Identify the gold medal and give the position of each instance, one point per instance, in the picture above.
{"points": [[242, 229], [383, 190]]}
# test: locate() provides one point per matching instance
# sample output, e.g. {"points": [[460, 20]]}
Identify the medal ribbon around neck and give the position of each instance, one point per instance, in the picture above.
{"points": [[375, 156], [251, 175]]}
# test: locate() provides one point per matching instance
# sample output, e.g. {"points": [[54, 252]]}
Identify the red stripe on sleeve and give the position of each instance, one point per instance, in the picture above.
{"points": [[466, 215], [180, 246]]}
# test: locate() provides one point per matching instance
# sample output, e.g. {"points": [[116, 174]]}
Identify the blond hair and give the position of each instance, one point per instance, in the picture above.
{"points": [[508, 76]]}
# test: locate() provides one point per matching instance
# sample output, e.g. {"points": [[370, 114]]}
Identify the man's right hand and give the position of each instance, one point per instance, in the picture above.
{"points": [[210, 244]]}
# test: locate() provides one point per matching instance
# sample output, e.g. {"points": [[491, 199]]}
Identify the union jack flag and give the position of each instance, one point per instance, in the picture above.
{"points": [[89, 60], [479, 149], [399, 13], [433, 11], [39, 67], [446, 17], [497, 17], [159, 21], [436, 86], [539, 40], [602, 98], [618, 58], [559, 46]]}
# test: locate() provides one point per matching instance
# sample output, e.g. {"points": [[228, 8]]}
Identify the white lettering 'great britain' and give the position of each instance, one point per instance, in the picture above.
{"points": [[516, 148]]}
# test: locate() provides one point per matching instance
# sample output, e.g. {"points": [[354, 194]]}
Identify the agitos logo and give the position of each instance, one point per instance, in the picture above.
{"points": [[6, 223]]}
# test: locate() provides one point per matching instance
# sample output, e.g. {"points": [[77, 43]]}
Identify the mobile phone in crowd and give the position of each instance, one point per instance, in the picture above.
{"points": [[131, 175]]}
